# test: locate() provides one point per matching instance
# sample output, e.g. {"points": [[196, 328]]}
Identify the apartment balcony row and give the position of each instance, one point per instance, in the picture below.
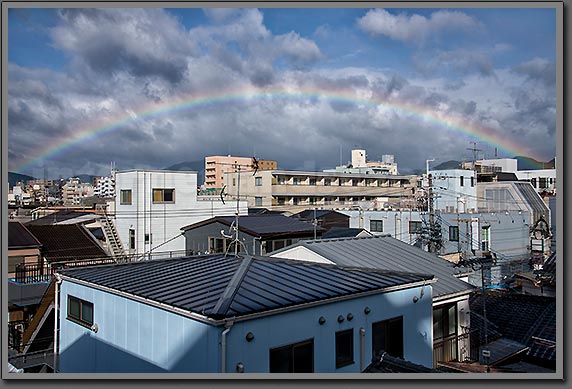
{"points": [[329, 201], [336, 191], [352, 182]]}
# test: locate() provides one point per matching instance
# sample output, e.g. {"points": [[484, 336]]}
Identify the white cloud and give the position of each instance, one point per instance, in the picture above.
{"points": [[414, 28]]}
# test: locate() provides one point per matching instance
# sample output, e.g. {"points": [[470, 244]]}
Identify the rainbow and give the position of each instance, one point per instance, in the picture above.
{"points": [[112, 124]]}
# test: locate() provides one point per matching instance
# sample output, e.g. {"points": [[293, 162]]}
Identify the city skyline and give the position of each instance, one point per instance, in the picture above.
{"points": [[149, 88]]}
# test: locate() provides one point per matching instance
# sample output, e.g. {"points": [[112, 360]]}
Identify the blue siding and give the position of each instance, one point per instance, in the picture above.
{"points": [[135, 337], [291, 327]]}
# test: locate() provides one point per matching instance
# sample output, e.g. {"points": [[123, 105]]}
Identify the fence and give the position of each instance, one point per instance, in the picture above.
{"points": [[448, 349]]}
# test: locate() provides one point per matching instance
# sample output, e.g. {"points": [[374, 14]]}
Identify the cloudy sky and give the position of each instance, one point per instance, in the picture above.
{"points": [[149, 88]]}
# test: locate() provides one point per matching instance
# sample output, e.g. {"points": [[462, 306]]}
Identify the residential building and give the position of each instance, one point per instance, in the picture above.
{"points": [[211, 314], [74, 191], [151, 207], [257, 234], [450, 298], [217, 166], [104, 186], [455, 190], [404, 225], [23, 247], [360, 165], [290, 189]]}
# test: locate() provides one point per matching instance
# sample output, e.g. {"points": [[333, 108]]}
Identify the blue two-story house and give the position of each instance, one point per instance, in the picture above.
{"points": [[212, 314]]}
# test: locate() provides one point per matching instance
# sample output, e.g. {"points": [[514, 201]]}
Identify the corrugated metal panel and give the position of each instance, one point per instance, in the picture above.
{"points": [[531, 196], [384, 252], [221, 287]]}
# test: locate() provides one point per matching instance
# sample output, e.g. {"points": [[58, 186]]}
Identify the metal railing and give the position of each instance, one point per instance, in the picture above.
{"points": [[458, 348], [27, 273]]}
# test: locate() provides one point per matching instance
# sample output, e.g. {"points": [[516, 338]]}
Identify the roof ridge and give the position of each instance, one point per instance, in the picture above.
{"points": [[226, 298], [538, 321]]}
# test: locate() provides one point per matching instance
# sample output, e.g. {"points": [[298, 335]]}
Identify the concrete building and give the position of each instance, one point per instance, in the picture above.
{"points": [[104, 186], [454, 190], [296, 190], [226, 314], [151, 207], [361, 165], [74, 191], [217, 166]]}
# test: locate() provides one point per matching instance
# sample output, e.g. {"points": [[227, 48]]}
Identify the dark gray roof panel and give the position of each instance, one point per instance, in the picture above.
{"points": [[220, 287], [387, 253]]}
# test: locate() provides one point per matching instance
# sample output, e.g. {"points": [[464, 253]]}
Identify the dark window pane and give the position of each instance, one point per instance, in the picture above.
{"points": [[168, 195], [394, 337], [452, 327], [280, 360], [73, 308], [87, 313], [304, 358], [378, 337], [438, 323], [344, 348]]}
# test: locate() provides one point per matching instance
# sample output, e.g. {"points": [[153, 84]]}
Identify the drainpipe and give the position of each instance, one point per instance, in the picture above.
{"points": [[58, 281], [227, 326], [362, 349]]}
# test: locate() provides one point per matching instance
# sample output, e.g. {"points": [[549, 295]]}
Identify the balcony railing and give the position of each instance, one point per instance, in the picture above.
{"points": [[456, 348]]}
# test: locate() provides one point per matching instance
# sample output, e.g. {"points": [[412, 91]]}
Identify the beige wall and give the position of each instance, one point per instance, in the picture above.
{"points": [[29, 255], [217, 166]]}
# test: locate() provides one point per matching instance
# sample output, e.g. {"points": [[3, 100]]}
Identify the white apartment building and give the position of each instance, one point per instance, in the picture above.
{"points": [[359, 164], [291, 188], [455, 190], [151, 206], [105, 187]]}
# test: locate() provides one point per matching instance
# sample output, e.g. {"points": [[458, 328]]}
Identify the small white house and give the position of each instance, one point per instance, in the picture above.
{"points": [[152, 206]]}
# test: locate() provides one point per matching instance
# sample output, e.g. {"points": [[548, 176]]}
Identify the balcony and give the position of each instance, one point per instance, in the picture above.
{"points": [[456, 348]]}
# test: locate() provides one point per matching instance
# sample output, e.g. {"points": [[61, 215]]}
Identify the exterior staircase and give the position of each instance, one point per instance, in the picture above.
{"points": [[46, 305], [112, 237]]}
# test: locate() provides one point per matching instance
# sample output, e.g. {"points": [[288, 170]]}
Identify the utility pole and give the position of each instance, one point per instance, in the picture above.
{"points": [[431, 214]]}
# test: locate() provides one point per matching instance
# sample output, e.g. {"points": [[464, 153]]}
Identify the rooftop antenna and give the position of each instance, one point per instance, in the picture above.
{"points": [[474, 150]]}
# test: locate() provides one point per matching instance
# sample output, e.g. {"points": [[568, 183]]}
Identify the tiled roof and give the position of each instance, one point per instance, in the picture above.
{"points": [[528, 319], [20, 237], [388, 364], [262, 226], [66, 242], [220, 287], [385, 252], [309, 214], [501, 350]]}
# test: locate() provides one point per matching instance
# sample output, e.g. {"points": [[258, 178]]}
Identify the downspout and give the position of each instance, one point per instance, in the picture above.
{"points": [[58, 281], [227, 326], [361, 349]]}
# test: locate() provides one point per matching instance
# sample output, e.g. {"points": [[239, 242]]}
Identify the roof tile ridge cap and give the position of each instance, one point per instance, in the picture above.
{"points": [[227, 296]]}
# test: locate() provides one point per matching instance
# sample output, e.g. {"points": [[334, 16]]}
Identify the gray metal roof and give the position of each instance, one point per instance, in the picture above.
{"points": [[222, 287], [528, 192], [263, 225], [385, 252]]}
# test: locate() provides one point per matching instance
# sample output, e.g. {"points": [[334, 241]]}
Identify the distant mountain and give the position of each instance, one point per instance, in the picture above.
{"points": [[527, 163], [13, 178], [197, 166], [86, 178], [447, 165]]}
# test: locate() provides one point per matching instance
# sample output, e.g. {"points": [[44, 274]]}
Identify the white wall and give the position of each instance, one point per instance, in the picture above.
{"points": [[163, 221]]}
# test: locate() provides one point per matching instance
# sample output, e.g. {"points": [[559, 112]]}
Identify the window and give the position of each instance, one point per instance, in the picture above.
{"points": [[295, 200], [444, 328], [80, 311], [281, 180], [125, 197], [258, 181], [454, 233], [472, 181], [387, 336], [354, 182], [218, 245], [163, 195], [461, 180], [327, 182], [294, 358], [344, 348], [376, 225], [296, 181], [312, 200], [132, 239], [533, 182], [542, 182], [485, 238], [258, 201], [414, 227], [148, 239], [312, 181], [281, 201], [234, 181]]}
